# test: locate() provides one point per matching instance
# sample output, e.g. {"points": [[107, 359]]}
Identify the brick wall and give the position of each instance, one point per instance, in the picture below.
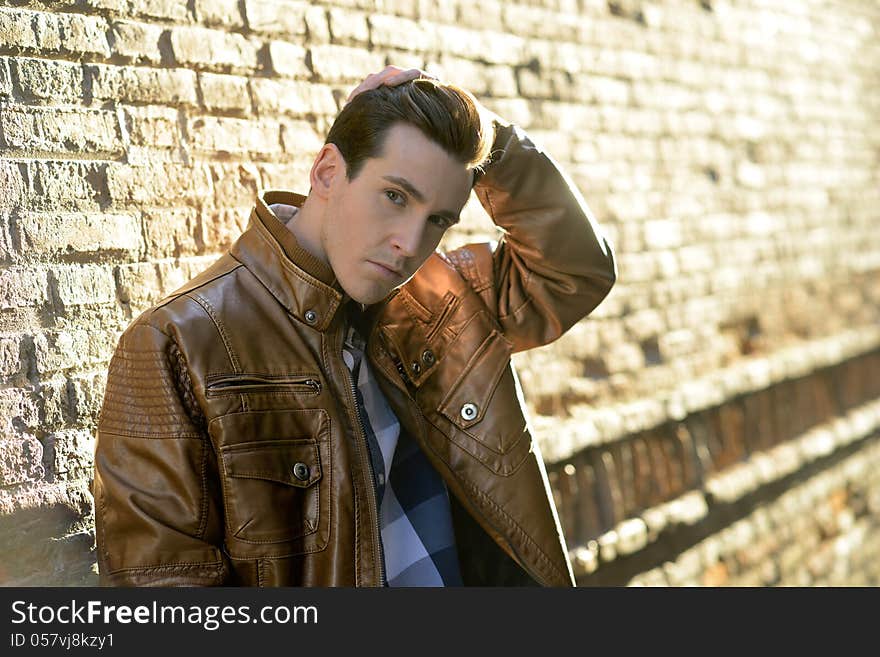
{"points": [[714, 421]]}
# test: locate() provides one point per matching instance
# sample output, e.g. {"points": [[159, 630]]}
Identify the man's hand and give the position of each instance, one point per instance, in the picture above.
{"points": [[390, 76]]}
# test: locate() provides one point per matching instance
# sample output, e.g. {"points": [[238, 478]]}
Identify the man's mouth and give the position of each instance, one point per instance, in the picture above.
{"points": [[388, 270]]}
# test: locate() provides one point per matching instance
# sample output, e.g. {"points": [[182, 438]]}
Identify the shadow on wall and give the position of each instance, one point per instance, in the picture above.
{"points": [[49, 546]]}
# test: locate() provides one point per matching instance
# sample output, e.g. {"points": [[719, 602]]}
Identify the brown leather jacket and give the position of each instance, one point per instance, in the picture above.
{"points": [[215, 394]]}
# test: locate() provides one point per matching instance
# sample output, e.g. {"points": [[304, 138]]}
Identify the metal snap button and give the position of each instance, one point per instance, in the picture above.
{"points": [[301, 471], [428, 357], [416, 368], [469, 411], [311, 316]]}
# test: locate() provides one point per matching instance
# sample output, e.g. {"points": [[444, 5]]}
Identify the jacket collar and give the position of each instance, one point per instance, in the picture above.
{"points": [[302, 283]]}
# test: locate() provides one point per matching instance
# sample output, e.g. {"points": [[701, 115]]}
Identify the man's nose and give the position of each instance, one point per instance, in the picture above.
{"points": [[407, 238]]}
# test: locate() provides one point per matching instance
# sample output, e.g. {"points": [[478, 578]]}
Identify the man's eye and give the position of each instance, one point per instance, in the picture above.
{"points": [[395, 197], [440, 222]]}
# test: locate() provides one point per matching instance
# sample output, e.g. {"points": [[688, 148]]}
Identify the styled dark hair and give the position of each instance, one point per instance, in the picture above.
{"points": [[445, 113]]}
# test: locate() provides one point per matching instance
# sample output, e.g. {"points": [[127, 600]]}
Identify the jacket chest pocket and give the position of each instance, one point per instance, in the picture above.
{"points": [[275, 474], [479, 402]]}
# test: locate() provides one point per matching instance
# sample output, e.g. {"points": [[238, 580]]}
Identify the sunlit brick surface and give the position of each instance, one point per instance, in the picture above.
{"points": [[713, 422]]}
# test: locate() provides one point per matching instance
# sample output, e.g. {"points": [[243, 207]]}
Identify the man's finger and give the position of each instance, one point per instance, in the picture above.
{"points": [[390, 76]]}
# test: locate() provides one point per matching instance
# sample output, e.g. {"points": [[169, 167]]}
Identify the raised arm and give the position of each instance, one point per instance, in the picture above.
{"points": [[552, 265]]}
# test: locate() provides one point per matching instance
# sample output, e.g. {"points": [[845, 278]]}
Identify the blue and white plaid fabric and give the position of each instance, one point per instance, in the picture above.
{"points": [[418, 541]]}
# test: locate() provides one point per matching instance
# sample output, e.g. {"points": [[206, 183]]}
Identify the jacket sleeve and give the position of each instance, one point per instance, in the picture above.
{"points": [[157, 518], [552, 266]]}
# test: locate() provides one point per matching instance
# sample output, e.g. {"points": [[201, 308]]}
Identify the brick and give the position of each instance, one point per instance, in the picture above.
{"points": [[663, 234], [139, 285], [404, 59], [172, 232], [5, 79], [152, 126], [18, 412], [300, 137], [212, 49], [55, 351], [293, 175], [71, 34], [552, 55], [84, 284], [289, 59], [55, 185], [644, 324], [70, 453], [234, 186], [401, 33], [142, 85], [225, 92], [487, 13], [515, 110], [7, 246], [155, 182], [12, 184], [567, 117], [473, 44], [222, 13], [173, 275], [66, 234], [638, 266], [20, 460], [113, 7], [535, 85], [59, 130], [23, 287], [221, 226], [468, 74], [295, 98], [102, 343], [332, 63], [86, 391], [16, 29], [276, 16], [750, 175], [230, 135], [48, 80], [633, 534], [623, 358], [317, 25], [136, 42], [175, 10], [540, 22], [655, 578], [437, 12], [696, 258], [349, 26], [10, 356]]}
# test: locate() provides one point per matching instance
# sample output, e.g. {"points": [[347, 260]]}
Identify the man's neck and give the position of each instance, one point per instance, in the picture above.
{"points": [[305, 223]]}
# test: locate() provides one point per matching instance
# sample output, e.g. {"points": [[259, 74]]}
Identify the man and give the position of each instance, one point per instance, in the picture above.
{"points": [[332, 402]]}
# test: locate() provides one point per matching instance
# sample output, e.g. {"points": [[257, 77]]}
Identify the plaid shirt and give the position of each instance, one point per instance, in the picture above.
{"points": [[417, 538]]}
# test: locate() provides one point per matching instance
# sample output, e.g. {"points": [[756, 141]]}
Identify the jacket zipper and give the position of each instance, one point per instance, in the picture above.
{"points": [[234, 384], [423, 420], [363, 451]]}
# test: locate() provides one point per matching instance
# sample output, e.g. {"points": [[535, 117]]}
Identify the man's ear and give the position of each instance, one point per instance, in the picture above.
{"points": [[328, 165]]}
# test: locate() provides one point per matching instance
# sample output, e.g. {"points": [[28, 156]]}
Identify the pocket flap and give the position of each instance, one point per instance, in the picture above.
{"points": [[290, 462], [466, 403]]}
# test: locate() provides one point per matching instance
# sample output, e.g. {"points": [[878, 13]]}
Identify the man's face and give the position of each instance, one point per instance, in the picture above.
{"points": [[379, 228]]}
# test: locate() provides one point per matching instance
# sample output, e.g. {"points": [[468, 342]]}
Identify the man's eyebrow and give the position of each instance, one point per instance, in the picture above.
{"points": [[417, 195]]}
